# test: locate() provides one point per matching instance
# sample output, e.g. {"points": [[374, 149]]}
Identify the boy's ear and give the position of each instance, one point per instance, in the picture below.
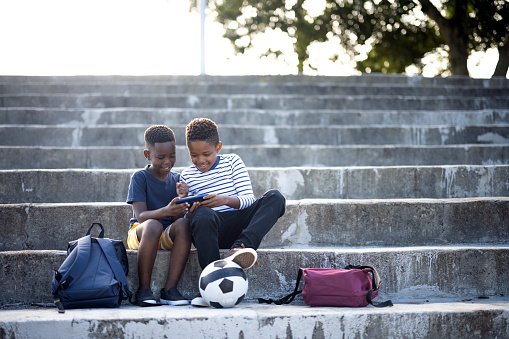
{"points": [[146, 153], [219, 146]]}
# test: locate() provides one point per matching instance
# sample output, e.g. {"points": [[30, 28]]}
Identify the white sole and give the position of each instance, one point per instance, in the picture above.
{"points": [[175, 303], [245, 258], [199, 302], [148, 303]]}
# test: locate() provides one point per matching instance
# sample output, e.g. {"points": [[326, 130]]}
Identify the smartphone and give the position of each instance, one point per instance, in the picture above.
{"points": [[192, 200]]}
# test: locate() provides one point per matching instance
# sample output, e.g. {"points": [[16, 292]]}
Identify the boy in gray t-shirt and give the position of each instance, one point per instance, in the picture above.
{"points": [[157, 221]]}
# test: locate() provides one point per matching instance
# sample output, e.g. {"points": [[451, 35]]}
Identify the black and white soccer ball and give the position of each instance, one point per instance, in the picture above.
{"points": [[223, 284]]}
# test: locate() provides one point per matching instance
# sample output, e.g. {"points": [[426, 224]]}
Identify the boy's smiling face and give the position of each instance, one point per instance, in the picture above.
{"points": [[203, 154], [162, 156]]}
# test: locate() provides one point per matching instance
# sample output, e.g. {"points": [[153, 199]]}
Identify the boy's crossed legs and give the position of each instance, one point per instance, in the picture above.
{"points": [[234, 230]]}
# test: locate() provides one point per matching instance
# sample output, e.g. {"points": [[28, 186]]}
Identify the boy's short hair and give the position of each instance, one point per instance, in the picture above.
{"points": [[202, 129], [158, 133]]}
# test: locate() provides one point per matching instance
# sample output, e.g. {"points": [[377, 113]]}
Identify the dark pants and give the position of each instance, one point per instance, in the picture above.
{"points": [[214, 230]]}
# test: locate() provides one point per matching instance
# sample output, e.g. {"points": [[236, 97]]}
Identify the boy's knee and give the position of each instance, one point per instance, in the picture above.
{"points": [[181, 222], [152, 229], [203, 220], [276, 195], [202, 215], [203, 212], [276, 199], [182, 227]]}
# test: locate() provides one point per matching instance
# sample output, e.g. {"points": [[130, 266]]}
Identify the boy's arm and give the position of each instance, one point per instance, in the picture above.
{"points": [[241, 182], [172, 209]]}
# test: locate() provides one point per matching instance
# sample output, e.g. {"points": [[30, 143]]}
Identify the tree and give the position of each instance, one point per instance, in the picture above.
{"points": [[472, 25], [399, 32]]}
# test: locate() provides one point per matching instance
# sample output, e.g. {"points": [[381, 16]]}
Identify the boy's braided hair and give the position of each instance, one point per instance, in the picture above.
{"points": [[202, 129], [158, 133]]}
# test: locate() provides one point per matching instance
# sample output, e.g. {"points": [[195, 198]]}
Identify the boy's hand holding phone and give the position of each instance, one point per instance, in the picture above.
{"points": [[175, 209], [216, 200]]}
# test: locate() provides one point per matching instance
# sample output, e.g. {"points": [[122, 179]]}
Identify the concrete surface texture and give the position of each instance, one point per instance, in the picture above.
{"points": [[445, 320], [406, 174]]}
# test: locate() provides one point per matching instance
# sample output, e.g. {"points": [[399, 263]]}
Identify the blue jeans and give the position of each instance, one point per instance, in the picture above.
{"points": [[214, 230]]}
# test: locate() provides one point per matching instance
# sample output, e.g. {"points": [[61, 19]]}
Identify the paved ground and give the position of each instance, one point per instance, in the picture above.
{"points": [[252, 320]]}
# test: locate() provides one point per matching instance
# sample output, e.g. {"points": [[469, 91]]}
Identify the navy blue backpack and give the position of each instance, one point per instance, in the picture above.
{"points": [[93, 274]]}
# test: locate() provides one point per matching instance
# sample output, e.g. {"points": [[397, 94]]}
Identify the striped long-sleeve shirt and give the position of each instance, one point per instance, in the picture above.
{"points": [[228, 176]]}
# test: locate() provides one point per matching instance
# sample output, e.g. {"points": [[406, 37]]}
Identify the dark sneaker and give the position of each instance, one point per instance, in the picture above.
{"points": [[173, 297], [145, 298], [244, 257], [199, 301]]}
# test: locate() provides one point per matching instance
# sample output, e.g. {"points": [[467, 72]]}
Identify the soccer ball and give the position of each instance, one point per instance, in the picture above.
{"points": [[223, 284]]}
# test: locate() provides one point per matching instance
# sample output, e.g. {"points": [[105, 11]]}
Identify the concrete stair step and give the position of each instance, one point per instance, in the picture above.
{"points": [[307, 222], [405, 182], [435, 256], [177, 116], [38, 157], [251, 101], [250, 320], [367, 79], [408, 274], [253, 88], [132, 135]]}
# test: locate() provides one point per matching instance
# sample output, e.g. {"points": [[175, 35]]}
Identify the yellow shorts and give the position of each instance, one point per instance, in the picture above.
{"points": [[165, 242]]}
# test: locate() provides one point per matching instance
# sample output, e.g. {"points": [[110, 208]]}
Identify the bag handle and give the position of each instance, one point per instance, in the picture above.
{"points": [[287, 299], [375, 285], [101, 234], [374, 274]]}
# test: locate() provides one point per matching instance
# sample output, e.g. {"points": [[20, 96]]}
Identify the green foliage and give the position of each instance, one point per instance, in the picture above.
{"points": [[399, 49], [488, 23], [397, 31], [397, 38]]}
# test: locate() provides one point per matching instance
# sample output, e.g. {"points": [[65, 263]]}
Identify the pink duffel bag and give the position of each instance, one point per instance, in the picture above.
{"points": [[353, 286]]}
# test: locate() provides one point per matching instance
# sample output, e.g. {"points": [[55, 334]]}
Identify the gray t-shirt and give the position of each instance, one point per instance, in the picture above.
{"points": [[154, 192]]}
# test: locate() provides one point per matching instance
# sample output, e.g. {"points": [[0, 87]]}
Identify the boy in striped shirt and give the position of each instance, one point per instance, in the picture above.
{"points": [[230, 217]]}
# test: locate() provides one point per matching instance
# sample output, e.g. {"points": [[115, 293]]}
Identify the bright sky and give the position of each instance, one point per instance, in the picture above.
{"points": [[144, 37]]}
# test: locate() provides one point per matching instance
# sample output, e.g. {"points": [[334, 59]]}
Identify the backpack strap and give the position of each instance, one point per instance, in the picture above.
{"points": [[287, 299], [109, 252], [376, 286], [79, 258]]}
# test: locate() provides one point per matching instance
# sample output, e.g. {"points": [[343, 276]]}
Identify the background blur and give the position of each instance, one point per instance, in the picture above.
{"points": [[130, 37]]}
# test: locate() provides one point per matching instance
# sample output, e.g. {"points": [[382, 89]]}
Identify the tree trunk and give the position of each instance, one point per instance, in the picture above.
{"points": [[458, 51], [503, 59], [452, 31]]}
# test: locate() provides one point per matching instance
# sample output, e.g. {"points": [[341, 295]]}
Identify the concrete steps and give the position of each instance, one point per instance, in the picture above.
{"points": [[364, 79], [259, 93], [409, 274], [265, 102], [407, 174], [259, 85], [120, 157], [132, 135], [307, 222], [298, 117], [389, 182], [234, 87], [436, 320]]}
